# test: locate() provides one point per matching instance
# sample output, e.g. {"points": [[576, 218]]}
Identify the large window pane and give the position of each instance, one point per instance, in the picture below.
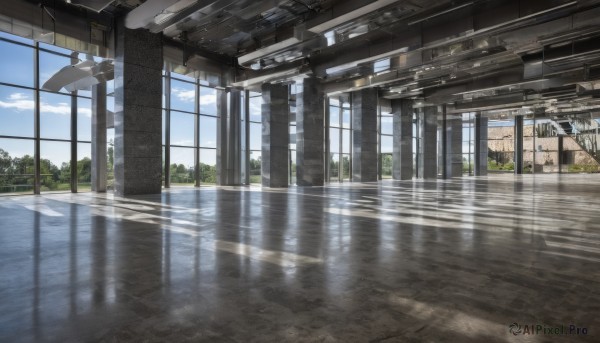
{"points": [[182, 128], [84, 167], [110, 155], [16, 64], [387, 125], [16, 166], [346, 167], [55, 166], [183, 96], [255, 136], [334, 116], [386, 166], [293, 137], [208, 166], [164, 127], [55, 116], [255, 109], [16, 112], [255, 167], [50, 64], [334, 140], [334, 167], [84, 119], [208, 132], [387, 144], [208, 101], [346, 141], [346, 121], [182, 166]]}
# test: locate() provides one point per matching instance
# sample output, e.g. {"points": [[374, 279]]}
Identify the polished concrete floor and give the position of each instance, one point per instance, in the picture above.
{"points": [[445, 261]]}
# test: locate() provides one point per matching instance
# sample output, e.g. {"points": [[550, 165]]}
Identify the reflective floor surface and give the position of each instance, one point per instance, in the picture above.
{"points": [[411, 261]]}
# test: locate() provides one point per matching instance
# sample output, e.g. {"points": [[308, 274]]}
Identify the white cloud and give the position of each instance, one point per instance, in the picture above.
{"points": [[86, 112], [21, 102], [62, 108], [17, 96], [184, 142], [19, 105], [208, 99], [184, 95]]}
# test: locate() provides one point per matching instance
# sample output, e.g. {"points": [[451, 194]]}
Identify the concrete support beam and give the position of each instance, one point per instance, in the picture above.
{"points": [[453, 146], [310, 164], [481, 145], [402, 168], [138, 113], [518, 145], [428, 147], [275, 135], [364, 135], [99, 148], [229, 144]]}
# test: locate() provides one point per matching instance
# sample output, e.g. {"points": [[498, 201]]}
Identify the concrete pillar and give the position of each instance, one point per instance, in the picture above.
{"points": [[518, 145], [481, 145], [275, 135], [229, 144], [428, 148], [138, 113], [402, 168], [364, 135], [99, 149], [310, 165], [453, 146]]}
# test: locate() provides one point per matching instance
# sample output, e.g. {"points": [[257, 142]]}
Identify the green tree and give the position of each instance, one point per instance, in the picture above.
{"points": [[110, 152], [5, 169], [84, 170]]}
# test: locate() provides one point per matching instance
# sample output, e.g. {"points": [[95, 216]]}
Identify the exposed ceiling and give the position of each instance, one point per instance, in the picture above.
{"points": [[479, 55]]}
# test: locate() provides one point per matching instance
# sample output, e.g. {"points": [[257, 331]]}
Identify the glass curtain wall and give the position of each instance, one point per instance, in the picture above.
{"points": [[468, 143], [292, 132], [64, 119], [501, 143], [340, 139], [189, 131], [580, 153], [546, 147], [255, 136], [416, 141], [386, 141], [529, 144]]}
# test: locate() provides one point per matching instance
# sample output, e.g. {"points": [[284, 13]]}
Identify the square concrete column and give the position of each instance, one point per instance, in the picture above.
{"points": [[402, 168], [453, 146], [275, 135], [138, 112], [518, 145], [310, 165], [364, 135], [481, 145], [99, 149], [428, 147]]}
